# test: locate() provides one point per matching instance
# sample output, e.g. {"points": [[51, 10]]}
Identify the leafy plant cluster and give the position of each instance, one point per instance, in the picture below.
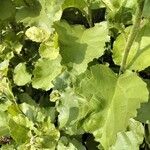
{"points": [[74, 74]]}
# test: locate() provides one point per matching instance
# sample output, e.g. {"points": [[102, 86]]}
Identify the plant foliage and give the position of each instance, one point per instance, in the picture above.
{"points": [[74, 74]]}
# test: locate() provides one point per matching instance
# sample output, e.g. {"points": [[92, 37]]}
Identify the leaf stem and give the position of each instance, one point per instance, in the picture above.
{"points": [[132, 35], [108, 5], [90, 20]]}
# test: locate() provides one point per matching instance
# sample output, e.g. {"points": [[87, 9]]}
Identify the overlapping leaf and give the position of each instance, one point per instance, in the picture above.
{"points": [[49, 49], [40, 13], [79, 46], [113, 98], [37, 34], [46, 70], [71, 144], [146, 9], [138, 58], [130, 139], [109, 98], [21, 76]]}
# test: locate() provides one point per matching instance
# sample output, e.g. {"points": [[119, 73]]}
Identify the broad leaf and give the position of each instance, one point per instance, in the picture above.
{"points": [[131, 139], [83, 5], [79, 46], [21, 134], [3, 124], [111, 98], [146, 9], [21, 76], [75, 3], [47, 13], [144, 111], [27, 9], [7, 9], [69, 144], [46, 70], [49, 49], [72, 109], [138, 58]]}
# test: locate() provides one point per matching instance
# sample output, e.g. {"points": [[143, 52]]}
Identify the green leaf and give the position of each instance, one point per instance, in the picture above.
{"points": [[139, 54], [8, 147], [84, 44], [6, 91], [131, 139], [146, 9], [27, 9], [50, 49], [69, 144], [72, 109], [21, 76], [46, 70], [7, 9], [35, 127], [144, 111], [83, 5], [4, 68], [50, 11], [21, 134], [75, 3], [36, 34], [3, 124], [111, 98]]}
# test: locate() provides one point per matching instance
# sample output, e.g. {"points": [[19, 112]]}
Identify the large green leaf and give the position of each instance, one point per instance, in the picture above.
{"points": [[79, 46], [131, 139], [138, 58], [112, 98], [21, 76], [46, 70]]}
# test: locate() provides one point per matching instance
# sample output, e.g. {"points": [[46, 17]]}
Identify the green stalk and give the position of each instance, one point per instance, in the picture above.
{"points": [[132, 35], [90, 21]]}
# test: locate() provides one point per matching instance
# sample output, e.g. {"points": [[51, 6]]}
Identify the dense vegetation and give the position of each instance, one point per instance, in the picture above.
{"points": [[74, 74]]}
